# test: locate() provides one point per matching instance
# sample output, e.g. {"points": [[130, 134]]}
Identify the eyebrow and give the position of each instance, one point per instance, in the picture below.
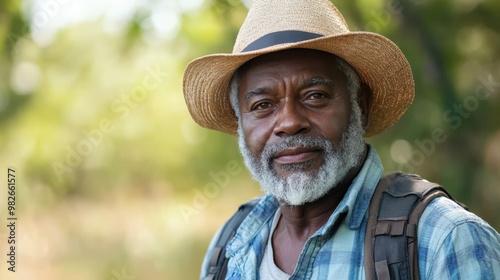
{"points": [[307, 83], [317, 81], [254, 92]]}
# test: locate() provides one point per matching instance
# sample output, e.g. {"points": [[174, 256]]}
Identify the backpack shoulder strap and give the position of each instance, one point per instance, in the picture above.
{"points": [[217, 266], [391, 232]]}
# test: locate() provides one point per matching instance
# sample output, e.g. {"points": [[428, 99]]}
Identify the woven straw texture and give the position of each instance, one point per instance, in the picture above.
{"points": [[379, 62]]}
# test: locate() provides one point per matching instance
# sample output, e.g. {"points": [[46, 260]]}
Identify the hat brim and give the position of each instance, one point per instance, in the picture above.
{"points": [[379, 62]]}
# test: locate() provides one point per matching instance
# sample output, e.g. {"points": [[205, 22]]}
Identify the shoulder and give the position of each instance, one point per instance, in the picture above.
{"points": [[453, 242], [241, 224], [444, 219], [443, 213]]}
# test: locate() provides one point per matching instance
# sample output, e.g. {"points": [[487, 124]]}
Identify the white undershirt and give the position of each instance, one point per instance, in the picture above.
{"points": [[268, 269]]}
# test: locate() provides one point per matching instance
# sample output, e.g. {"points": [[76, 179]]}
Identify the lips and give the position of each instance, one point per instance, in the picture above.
{"points": [[296, 155]]}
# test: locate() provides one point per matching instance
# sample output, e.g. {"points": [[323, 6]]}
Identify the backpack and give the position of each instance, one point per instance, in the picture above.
{"points": [[391, 232]]}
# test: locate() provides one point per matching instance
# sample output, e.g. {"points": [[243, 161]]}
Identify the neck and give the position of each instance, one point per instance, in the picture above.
{"points": [[300, 222]]}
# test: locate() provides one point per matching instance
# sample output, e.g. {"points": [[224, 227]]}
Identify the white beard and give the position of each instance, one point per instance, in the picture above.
{"points": [[304, 186]]}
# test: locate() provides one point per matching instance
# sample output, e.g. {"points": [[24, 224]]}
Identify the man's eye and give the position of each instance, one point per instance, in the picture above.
{"points": [[262, 106], [317, 95]]}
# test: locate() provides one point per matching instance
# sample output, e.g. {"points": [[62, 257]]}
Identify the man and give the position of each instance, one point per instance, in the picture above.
{"points": [[301, 92]]}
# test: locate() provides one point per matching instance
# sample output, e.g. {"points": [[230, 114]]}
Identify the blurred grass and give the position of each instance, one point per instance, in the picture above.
{"points": [[138, 228]]}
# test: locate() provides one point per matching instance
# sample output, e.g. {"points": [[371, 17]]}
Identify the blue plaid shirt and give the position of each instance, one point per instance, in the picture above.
{"points": [[452, 243]]}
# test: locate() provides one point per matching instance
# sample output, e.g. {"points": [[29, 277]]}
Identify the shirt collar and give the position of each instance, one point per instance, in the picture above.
{"points": [[254, 223], [357, 199]]}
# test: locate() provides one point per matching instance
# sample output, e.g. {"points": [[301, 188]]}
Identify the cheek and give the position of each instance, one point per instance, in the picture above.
{"points": [[256, 136], [332, 125]]}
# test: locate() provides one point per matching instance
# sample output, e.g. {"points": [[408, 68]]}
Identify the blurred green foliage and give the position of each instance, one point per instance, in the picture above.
{"points": [[116, 179]]}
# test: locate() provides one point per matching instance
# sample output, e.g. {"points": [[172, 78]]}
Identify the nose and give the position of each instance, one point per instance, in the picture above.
{"points": [[291, 120]]}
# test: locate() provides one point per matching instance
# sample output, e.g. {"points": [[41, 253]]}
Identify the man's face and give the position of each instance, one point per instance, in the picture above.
{"points": [[298, 133]]}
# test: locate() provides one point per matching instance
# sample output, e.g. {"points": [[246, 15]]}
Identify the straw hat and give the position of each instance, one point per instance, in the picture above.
{"points": [[275, 25]]}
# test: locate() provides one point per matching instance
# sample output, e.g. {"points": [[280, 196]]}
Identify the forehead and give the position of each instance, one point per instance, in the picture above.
{"points": [[292, 62]]}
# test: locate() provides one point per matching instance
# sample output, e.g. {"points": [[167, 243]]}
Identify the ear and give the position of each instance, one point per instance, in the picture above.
{"points": [[365, 104]]}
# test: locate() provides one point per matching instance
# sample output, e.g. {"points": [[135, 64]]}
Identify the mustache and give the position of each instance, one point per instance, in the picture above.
{"points": [[302, 141]]}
